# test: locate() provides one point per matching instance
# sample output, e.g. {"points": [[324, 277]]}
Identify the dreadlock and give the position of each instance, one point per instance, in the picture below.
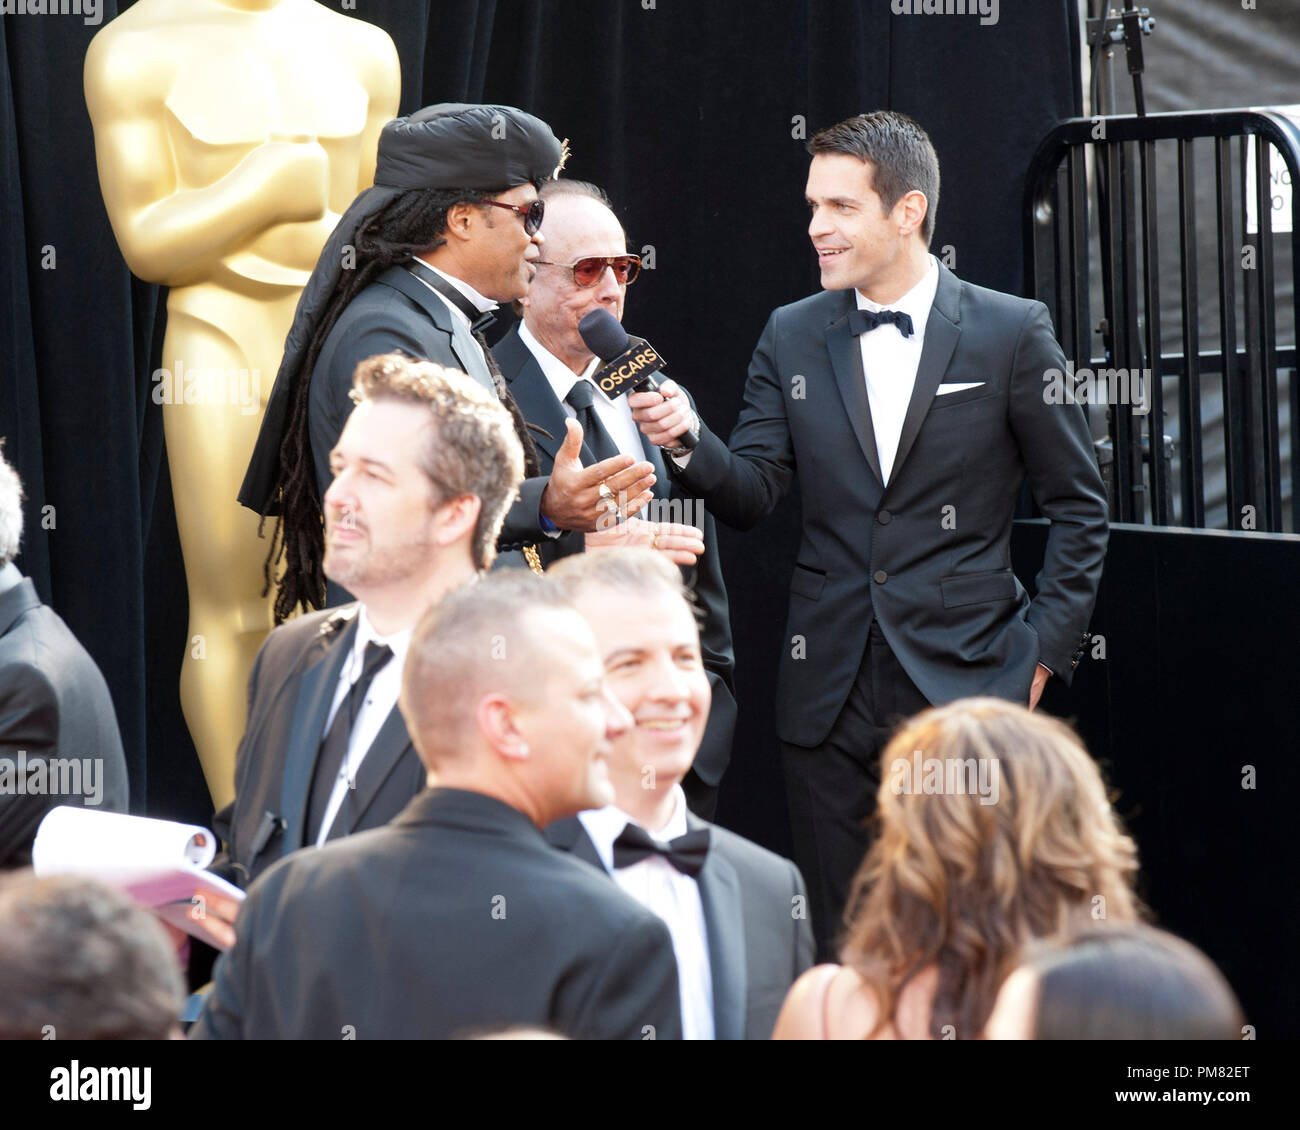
{"points": [[409, 224]]}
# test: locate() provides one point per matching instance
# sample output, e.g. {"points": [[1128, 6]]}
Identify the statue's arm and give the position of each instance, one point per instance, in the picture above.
{"points": [[169, 233]]}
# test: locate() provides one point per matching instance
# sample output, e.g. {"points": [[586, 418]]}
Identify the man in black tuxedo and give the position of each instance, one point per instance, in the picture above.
{"points": [[912, 406], [59, 741], [737, 913], [423, 473], [417, 264], [458, 918], [548, 368]]}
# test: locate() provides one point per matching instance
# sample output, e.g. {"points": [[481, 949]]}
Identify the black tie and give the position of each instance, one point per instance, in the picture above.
{"points": [[594, 435], [687, 853], [335, 746], [863, 321]]}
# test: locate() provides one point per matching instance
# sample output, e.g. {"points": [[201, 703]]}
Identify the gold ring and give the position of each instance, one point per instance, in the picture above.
{"points": [[654, 541]]}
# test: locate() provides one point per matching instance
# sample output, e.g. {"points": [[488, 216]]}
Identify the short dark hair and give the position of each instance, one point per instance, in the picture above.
{"points": [[1128, 981], [900, 154], [79, 960]]}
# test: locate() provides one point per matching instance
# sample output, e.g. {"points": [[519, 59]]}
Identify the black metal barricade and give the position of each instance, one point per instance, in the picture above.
{"points": [[1097, 209]]}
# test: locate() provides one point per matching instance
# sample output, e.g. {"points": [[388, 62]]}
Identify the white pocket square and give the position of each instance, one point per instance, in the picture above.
{"points": [[944, 390]]}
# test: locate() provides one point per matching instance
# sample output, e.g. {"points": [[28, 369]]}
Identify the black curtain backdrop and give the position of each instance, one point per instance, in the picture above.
{"points": [[691, 115]]}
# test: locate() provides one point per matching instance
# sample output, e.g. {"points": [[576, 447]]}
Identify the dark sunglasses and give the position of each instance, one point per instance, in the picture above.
{"points": [[588, 272], [532, 215]]}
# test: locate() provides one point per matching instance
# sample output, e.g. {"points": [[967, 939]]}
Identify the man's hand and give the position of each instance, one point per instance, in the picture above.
{"points": [[1041, 675], [662, 416], [682, 544], [216, 912], [572, 499]]}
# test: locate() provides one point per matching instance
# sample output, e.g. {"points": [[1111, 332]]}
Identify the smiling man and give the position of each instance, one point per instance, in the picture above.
{"points": [[910, 406], [459, 919], [423, 474], [549, 369], [417, 265], [737, 913]]}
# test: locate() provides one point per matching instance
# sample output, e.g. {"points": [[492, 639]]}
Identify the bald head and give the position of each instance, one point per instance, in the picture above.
{"points": [[503, 692]]}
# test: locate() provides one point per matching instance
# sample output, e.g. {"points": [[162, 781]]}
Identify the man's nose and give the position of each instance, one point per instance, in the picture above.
{"points": [[608, 289], [617, 718], [669, 682], [339, 495]]}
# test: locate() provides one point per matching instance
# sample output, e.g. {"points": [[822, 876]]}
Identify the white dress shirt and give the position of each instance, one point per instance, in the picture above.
{"points": [[373, 712], [657, 885], [615, 415], [481, 304], [890, 360]]}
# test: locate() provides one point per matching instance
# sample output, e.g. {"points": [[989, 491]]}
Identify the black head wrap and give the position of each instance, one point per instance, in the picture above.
{"points": [[451, 145]]}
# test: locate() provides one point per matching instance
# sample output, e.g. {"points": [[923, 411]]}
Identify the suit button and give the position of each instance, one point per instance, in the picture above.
{"points": [[880, 576], [884, 517]]}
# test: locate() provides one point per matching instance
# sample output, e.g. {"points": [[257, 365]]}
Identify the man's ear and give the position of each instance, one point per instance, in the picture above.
{"points": [[457, 517], [500, 727], [461, 219], [910, 211]]}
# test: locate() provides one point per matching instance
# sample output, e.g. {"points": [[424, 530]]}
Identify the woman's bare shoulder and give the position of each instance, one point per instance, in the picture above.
{"points": [[827, 1002], [802, 1014]]}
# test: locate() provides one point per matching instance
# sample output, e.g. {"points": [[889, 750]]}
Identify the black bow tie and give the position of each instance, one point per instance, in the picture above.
{"points": [[863, 321], [687, 853]]}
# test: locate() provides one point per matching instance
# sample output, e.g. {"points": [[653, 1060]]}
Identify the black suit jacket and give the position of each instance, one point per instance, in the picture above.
{"points": [[540, 406], [398, 312], [755, 911], [455, 919], [54, 704], [290, 692], [928, 555]]}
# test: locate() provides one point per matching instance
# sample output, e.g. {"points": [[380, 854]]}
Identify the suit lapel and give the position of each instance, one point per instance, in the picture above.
{"points": [[846, 362], [532, 392], [461, 342], [315, 697], [942, 329], [570, 835], [377, 766], [724, 919]]}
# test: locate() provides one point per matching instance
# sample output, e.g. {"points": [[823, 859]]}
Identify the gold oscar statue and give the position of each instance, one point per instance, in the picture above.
{"points": [[229, 135]]}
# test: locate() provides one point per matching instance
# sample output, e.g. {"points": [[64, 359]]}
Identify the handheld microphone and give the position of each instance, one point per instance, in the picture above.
{"points": [[629, 362]]}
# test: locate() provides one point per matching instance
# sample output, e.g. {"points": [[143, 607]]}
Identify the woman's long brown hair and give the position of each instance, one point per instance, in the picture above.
{"points": [[960, 883]]}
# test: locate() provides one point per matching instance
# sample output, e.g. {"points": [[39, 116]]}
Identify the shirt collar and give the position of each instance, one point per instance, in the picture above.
{"points": [[398, 642], [481, 304], [604, 826], [915, 303], [558, 375]]}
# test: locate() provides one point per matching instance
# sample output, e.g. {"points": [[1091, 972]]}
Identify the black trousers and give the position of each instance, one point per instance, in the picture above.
{"points": [[831, 788]]}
